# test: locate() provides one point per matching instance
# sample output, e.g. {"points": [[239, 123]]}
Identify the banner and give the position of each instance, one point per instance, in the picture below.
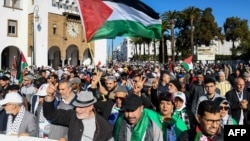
{"points": [[205, 53], [23, 138]]}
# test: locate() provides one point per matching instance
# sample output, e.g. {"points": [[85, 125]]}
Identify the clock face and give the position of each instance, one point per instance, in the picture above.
{"points": [[73, 29]]}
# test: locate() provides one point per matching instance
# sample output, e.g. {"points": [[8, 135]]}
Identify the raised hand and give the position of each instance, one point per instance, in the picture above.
{"points": [[51, 90], [96, 79], [137, 86]]}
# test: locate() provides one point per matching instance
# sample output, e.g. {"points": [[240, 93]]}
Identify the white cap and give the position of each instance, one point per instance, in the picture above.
{"points": [[12, 97], [42, 90], [180, 95]]}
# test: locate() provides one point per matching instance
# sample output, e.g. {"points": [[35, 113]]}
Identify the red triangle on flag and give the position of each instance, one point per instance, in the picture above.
{"points": [[94, 14], [189, 59], [23, 58]]}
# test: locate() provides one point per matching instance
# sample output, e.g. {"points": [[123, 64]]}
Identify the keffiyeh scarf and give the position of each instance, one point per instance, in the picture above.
{"points": [[199, 136], [13, 126]]}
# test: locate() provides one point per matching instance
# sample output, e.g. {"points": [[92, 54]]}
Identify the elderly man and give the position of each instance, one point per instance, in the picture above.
{"points": [[223, 84], [20, 122], [239, 99], [84, 124], [137, 123], [65, 101]]}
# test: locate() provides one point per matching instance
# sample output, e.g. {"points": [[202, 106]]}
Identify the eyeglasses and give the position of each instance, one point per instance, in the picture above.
{"points": [[211, 121], [120, 98], [25, 80], [224, 108]]}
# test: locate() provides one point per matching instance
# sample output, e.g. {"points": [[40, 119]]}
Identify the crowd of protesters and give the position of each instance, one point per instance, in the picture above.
{"points": [[125, 102]]}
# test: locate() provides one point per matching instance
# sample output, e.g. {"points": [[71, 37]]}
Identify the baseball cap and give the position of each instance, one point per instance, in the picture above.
{"points": [[132, 102], [180, 95], [4, 78]]}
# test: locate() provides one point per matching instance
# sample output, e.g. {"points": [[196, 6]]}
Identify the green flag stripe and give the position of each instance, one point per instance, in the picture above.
{"points": [[111, 29]]}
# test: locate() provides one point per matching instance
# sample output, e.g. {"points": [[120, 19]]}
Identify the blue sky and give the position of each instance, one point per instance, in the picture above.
{"points": [[222, 9]]}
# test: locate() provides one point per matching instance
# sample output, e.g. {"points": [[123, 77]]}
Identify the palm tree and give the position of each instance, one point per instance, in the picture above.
{"points": [[170, 17], [192, 13], [165, 26], [137, 41], [147, 42]]}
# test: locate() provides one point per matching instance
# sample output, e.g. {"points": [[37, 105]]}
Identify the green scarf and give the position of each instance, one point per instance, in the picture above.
{"points": [[140, 127], [178, 113], [175, 122]]}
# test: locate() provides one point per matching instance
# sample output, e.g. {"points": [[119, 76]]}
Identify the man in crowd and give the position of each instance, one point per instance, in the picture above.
{"points": [[223, 84], [28, 90], [4, 86], [65, 101], [239, 99], [106, 90], [20, 122], [137, 123], [208, 128], [210, 94], [76, 85], [83, 122], [111, 109]]}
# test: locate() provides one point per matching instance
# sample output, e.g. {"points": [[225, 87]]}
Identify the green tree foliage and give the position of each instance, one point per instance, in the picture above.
{"points": [[170, 17]]}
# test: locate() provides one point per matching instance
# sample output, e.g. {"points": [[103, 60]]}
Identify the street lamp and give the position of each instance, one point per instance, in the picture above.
{"points": [[35, 20]]}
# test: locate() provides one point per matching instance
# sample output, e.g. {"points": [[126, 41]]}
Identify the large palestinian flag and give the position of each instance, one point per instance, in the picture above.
{"points": [[110, 18]]}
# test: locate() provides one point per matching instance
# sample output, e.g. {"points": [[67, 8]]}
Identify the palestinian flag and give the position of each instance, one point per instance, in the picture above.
{"points": [[187, 63], [110, 18], [21, 66]]}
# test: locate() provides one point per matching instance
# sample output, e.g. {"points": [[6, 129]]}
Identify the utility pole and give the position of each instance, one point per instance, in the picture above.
{"points": [[112, 40]]}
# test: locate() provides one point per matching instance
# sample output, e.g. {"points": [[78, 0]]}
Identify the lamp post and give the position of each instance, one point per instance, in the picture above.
{"points": [[35, 20]]}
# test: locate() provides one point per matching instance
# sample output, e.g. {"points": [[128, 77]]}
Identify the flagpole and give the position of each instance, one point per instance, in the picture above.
{"points": [[112, 45]]}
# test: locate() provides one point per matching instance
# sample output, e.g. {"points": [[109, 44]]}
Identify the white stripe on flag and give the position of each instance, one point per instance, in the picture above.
{"points": [[123, 12]]}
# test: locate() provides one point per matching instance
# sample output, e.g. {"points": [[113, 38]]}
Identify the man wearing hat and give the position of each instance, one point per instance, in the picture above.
{"points": [[20, 122], [108, 89], [76, 85], [83, 122], [111, 109], [5, 84], [137, 123]]}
